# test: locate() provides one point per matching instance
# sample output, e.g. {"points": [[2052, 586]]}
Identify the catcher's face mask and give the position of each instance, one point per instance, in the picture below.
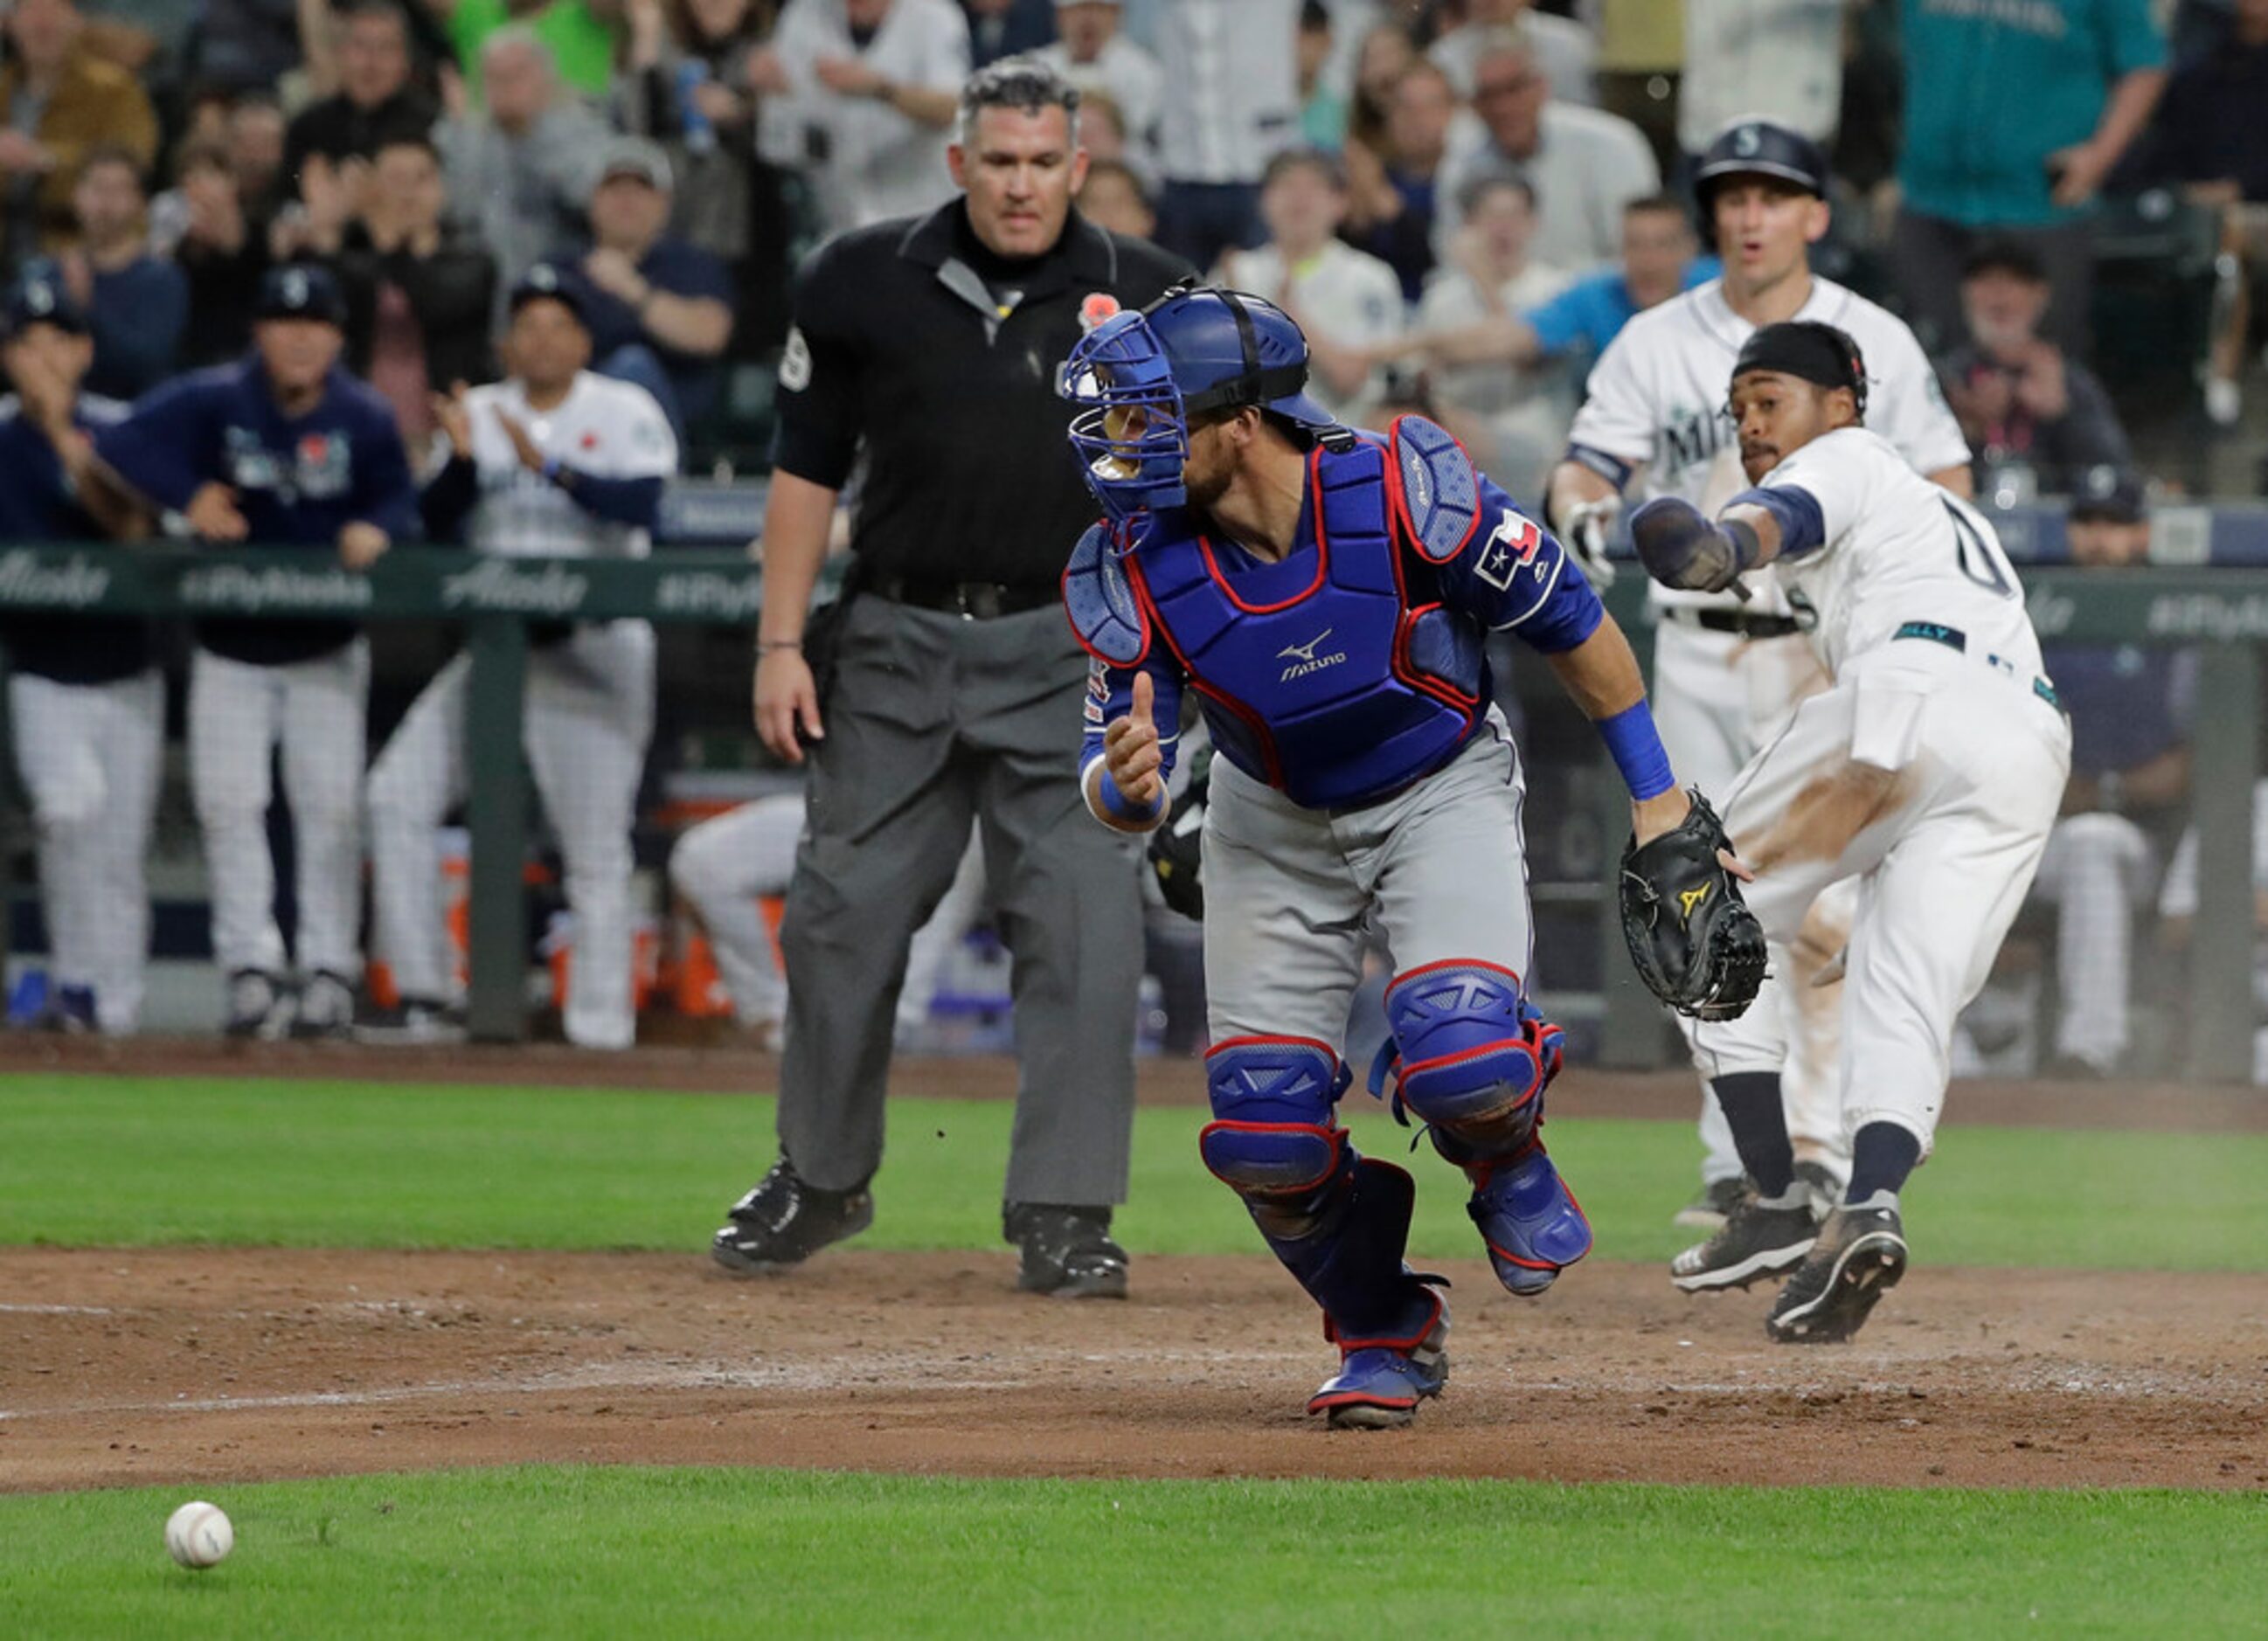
{"points": [[1131, 430]]}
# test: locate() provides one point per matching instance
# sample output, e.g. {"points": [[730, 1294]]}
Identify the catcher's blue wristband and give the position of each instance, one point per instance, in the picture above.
{"points": [[1636, 752], [1121, 807]]}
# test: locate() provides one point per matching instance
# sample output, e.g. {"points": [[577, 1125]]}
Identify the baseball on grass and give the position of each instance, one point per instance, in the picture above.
{"points": [[198, 1535]]}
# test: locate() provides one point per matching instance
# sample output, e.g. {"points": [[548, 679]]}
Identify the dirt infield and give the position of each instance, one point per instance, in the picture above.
{"points": [[193, 1366]]}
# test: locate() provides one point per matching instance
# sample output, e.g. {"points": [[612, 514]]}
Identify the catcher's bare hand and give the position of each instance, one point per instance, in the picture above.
{"points": [[1131, 756], [787, 702]]}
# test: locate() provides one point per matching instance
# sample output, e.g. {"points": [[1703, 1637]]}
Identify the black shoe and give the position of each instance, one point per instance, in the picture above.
{"points": [[783, 1221], [413, 1021], [1760, 1239], [1858, 1257], [1066, 1251], [1708, 1210]]}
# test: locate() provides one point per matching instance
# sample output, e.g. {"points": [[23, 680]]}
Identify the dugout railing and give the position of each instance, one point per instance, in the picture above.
{"points": [[2207, 587]]}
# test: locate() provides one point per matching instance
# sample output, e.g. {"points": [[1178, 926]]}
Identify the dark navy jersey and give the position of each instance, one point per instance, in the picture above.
{"points": [[2128, 703], [297, 479], [37, 504]]}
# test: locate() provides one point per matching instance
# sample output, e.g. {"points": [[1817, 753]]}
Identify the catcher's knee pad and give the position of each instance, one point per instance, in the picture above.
{"points": [[1473, 1057], [1272, 1140]]}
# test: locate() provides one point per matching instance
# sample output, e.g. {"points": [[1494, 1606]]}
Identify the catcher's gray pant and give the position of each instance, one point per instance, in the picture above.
{"points": [[722, 865], [238, 713], [1943, 850], [935, 721], [1290, 891], [1717, 698], [2099, 870], [586, 719], [89, 755]]}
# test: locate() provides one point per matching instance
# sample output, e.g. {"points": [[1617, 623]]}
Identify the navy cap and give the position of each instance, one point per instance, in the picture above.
{"points": [[2109, 492], [38, 297], [549, 282], [301, 290]]}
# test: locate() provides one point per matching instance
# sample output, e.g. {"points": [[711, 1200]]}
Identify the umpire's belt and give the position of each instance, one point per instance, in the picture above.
{"points": [[1953, 638], [971, 600], [1747, 625]]}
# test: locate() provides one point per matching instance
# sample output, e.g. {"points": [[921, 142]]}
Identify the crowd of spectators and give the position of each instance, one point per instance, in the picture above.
{"points": [[1461, 201], [685, 154]]}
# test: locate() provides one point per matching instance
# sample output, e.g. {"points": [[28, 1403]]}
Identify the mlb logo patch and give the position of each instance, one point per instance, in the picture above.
{"points": [[1098, 307]]}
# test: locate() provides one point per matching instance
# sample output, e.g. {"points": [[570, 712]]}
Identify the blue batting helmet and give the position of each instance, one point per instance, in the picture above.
{"points": [[1138, 377]]}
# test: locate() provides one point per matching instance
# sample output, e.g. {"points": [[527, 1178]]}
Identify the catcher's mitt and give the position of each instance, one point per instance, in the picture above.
{"points": [[1697, 944], [1174, 846]]}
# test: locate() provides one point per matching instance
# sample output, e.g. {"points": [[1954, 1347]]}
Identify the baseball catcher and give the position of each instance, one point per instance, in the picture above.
{"points": [[1326, 593]]}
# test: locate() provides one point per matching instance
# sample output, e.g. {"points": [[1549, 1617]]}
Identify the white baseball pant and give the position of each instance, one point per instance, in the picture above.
{"points": [[586, 720], [238, 713], [1943, 853], [90, 756], [725, 863], [2098, 872], [1717, 698]]}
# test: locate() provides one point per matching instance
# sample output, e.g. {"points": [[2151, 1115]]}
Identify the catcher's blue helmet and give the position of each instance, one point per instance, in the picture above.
{"points": [[1138, 378]]}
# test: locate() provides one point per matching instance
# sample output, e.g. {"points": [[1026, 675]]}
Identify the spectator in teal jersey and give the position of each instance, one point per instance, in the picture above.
{"points": [[2015, 112]]}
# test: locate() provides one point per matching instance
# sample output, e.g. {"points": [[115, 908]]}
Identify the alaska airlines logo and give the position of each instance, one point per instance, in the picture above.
{"points": [[1305, 660]]}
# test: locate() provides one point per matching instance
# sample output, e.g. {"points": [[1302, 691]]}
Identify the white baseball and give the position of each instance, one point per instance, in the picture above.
{"points": [[198, 1535]]}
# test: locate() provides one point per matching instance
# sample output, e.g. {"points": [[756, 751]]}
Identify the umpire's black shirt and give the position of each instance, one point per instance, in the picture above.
{"points": [[942, 356]]}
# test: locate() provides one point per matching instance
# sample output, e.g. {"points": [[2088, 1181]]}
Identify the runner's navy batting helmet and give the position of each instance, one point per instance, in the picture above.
{"points": [[1752, 147], [1138, 378]]}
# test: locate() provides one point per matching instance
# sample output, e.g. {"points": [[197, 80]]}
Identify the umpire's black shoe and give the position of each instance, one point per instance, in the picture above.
{"points": [[1066, 1251], [1760, 1239], [785, 1220], [1859, 1256]]}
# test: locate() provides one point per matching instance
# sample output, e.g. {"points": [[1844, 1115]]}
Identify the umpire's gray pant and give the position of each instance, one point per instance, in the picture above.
{"points": [[934, 719]]}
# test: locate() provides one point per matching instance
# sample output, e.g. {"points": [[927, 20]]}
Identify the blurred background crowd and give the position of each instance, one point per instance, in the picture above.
{"points": [[2064, 200], [1461, 201]]}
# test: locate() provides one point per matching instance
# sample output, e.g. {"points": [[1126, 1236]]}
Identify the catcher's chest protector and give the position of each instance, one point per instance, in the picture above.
{"points": [[1337, 676]]}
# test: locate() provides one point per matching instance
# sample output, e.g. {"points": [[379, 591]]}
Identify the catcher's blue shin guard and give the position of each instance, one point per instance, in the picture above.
{"points": [[1337, 1221], [1474, 1059]]}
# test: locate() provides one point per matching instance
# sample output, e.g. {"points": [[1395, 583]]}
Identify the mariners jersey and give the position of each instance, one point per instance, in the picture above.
{"points": [[1657, 398], [37, 505], [297, 479], [1895, 551], [606, 429], [1352, 666]]}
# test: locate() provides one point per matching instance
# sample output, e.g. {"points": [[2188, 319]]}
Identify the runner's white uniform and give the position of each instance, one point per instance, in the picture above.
{"points": [[588, 716], [723, 864], [1657, 400], [1938, 680]]}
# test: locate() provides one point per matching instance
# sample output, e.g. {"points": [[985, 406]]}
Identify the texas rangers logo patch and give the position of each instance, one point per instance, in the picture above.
{"points": [[1098, 307], [1509, 551]]}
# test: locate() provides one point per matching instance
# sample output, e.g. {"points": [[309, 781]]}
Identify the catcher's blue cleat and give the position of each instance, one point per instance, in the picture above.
{"points": [[1531, 1222], [1381, 1382]]}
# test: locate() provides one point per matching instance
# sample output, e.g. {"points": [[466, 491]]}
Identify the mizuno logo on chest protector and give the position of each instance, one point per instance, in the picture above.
{"points": [[1305, 660]]}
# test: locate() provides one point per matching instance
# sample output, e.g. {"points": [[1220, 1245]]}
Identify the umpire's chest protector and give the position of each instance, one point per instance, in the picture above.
{"points": [[1339, 677]]}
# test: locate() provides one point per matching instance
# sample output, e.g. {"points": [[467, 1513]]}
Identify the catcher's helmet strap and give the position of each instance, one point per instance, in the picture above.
{"points": [[1253, 385]]}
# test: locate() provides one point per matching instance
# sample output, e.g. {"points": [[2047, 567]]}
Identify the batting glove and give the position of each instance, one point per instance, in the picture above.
{"points": [[1583, 533], [1680, 549]]}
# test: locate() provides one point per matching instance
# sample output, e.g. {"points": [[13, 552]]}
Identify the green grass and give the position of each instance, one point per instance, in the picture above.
{"points": [[577, 1552], [113, 1160]]}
